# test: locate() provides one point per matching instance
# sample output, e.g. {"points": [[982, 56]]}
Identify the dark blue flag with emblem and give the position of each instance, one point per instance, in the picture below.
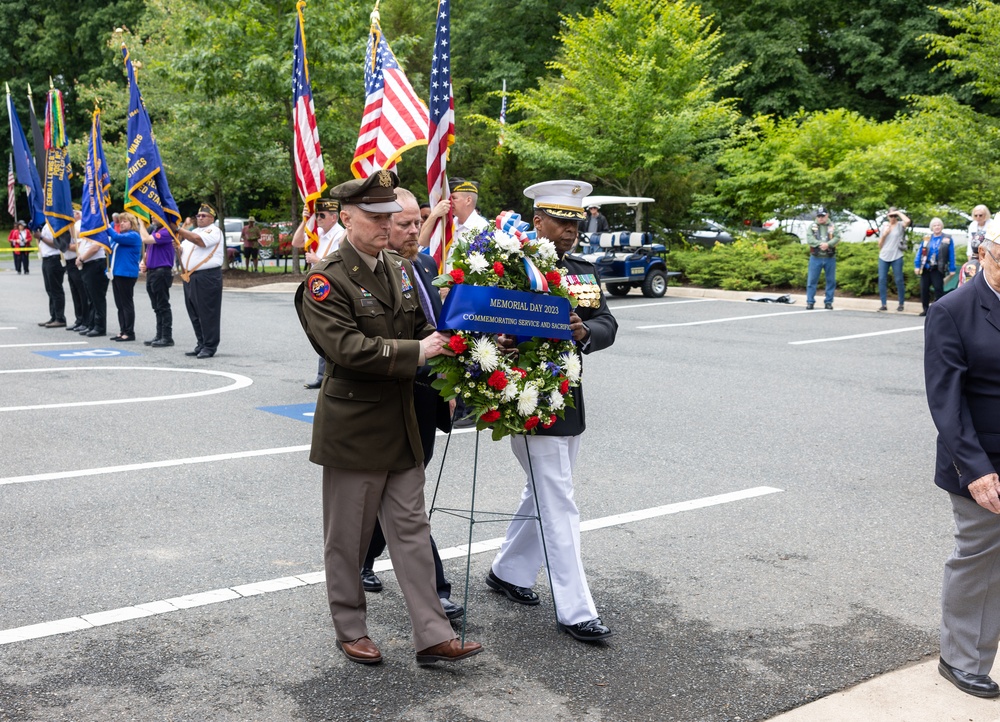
{"points": [[147, 192], [58, 199], [24, 165], [96, 189]]}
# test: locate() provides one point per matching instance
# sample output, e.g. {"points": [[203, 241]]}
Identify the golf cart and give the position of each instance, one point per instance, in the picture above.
{"points": [[624, 259]]}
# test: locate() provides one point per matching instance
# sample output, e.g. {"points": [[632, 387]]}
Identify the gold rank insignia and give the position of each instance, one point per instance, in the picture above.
{"points": [[586, 289]]}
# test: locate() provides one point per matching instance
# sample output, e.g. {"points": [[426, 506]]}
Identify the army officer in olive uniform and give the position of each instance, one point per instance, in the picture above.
{"points": [[360, 311]]}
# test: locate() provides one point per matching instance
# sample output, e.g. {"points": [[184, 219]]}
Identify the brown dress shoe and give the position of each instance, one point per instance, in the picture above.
{"points": [[362, 651], [450, 651]]}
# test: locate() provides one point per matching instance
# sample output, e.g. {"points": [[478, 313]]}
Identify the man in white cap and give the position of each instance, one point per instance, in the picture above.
{"points": [[558, 208]]}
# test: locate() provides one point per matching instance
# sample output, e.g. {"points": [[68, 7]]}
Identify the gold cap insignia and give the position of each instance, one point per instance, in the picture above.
{"points": [[385, 179]]}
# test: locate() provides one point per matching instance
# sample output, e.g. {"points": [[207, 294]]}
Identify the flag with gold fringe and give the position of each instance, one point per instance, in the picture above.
{"points": [[96, 189], [58, 198]]}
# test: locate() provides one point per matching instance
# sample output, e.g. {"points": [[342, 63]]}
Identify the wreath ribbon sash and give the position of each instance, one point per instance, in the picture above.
{"points": [[487, 309]]}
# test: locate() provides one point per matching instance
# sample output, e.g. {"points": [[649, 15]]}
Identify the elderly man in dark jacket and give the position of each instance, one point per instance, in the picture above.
{"points": [[962, 371]]}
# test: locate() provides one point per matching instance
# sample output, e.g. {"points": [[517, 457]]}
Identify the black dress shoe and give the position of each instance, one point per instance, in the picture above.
{"points": [[452, 610], [521, 595], [205, 353], [76, 327], [369, 581], [162, 342], [315, 384], [46, 323], [85, 331], [151, 341], [94, 333], [197, 350], [590, 631], [978, 685]]}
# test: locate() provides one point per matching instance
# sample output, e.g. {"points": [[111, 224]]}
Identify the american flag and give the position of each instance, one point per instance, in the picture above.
{"points": [[395, 119], [441, 134], [310, 176], [11, 183], [503, 112]]}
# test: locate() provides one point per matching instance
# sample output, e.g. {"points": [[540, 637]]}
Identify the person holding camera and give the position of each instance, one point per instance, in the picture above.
{"points": [[935, 260], [891, 246]]}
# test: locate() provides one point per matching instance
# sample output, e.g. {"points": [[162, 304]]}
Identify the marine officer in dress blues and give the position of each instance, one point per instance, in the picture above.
{"points": [[360, 311], [558, 209]]}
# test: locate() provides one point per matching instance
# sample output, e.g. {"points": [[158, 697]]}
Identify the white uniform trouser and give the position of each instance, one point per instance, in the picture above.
{"points": [[521, 555]]}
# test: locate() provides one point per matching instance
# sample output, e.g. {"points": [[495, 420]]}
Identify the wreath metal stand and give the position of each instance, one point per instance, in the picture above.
{"points": [[472, 516]]}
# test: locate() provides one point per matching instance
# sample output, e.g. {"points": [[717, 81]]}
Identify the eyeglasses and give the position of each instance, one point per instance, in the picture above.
{"points": [[985, 247], [978, 215], [321, 215]]}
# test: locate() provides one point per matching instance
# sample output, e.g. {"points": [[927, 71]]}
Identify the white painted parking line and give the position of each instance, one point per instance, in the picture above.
{"points": [[731, 318], [856, 335], [52, 476], [8, 328], [624, 306], [54, 343], [215, 596], [239, 382], [56, 475]]}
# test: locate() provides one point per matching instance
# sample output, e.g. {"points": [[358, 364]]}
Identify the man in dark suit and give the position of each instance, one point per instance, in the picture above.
{"points": [[360, 311], [558, 209], [962, 372], [433, 412]]}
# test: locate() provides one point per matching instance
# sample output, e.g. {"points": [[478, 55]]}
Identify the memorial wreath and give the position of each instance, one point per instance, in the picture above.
{"points": [[512, 393]]}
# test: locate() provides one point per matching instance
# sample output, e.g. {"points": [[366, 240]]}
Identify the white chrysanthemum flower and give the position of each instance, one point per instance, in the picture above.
{"points": [[478, 262], [484, 352], [556, 400], [571, 366], [512, 388], [527, 400], [546, 249], [507, 243]]}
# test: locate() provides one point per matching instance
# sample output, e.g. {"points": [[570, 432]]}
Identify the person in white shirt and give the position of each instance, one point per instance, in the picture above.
{"points": [[81, 304], [330, 232], [92, 260], [464, 197], [52, 274], [977, 229], [201, 262]]}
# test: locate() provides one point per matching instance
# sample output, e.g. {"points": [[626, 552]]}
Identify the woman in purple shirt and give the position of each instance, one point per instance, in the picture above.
{"points": [[159, 265]]}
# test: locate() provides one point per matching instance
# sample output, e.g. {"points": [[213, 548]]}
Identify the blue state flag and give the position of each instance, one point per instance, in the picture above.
{"points": [[96, 189], [24, 165], [146, 181]]}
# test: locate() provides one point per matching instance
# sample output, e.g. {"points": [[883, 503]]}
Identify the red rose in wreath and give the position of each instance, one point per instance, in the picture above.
{"points": [[457, 344], [498, 268], [498, 380], [564, 387], [548, 424], [490, 416], [531, 423], [457, 275], [554, 278]]}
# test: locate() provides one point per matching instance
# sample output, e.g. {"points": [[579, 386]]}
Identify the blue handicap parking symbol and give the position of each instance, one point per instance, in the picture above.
{"points": [[87, 354], [299, 412]]}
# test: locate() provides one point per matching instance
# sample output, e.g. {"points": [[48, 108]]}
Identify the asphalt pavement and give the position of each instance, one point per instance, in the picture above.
{"points": [[761, 528]]}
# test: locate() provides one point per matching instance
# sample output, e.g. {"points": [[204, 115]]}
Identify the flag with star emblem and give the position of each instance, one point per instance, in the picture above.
{"points": [[11, 185], [395, 119], [441, 134], [310, 173]]}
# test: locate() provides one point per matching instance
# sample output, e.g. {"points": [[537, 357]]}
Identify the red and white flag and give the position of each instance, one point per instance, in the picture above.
{"points": [[310, 175], [441, 134], [395, 119], [11, 184]]}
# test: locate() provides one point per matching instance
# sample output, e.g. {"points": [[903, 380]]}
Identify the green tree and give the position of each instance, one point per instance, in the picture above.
{"points": [[630, 103]]}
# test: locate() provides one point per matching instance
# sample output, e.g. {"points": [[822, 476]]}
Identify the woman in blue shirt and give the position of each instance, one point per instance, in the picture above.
{"points": [[935, 259], [123, 270]]}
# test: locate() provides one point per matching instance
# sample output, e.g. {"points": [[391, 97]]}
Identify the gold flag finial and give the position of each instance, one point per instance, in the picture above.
{"points": [[374, 16], [7, 86], [29, 90], [51, 86]]}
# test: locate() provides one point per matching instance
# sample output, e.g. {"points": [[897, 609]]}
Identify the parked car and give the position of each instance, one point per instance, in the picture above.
{"points": [[233, 229], [708, 233], [853, 228]]}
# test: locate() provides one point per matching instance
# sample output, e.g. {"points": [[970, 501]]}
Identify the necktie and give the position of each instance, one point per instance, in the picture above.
{"points": [[425, 301], [381, 275]]}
